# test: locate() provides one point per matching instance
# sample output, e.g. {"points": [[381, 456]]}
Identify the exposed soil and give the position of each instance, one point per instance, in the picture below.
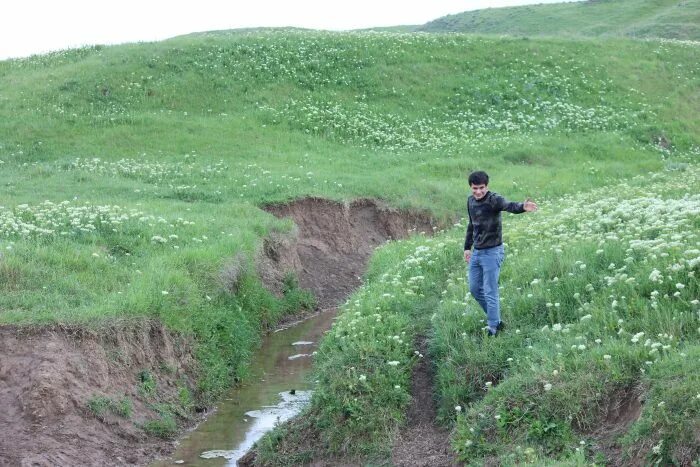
{"points": [[48, 375], [623, 408], [422, 443], [333, 243]]}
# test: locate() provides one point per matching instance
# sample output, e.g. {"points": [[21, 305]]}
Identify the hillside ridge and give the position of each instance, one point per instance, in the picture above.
{"points": [[670, 19]]}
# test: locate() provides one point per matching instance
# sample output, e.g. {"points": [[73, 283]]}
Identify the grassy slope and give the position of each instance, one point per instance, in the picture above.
{"points": [[194, 133], [600, 294], [601, 297], [671, 19]]}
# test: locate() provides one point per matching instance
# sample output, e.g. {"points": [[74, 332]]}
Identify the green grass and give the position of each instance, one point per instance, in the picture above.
{"points": [[133, 175], [670, 19], [163, 427], [101, 405], [600, 293]]}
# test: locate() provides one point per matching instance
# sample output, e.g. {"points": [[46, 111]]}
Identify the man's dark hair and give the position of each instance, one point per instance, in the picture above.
{"points": [[478, 178]]}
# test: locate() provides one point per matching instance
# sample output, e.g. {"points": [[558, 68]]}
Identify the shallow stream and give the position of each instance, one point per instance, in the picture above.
{"points": [[277, 388]]}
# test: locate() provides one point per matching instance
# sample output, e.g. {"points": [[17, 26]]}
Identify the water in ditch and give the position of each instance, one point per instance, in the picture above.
{"points": [[277, 389]]}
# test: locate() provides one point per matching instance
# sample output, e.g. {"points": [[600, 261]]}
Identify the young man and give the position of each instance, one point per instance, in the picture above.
{"points": [[485, 234]]}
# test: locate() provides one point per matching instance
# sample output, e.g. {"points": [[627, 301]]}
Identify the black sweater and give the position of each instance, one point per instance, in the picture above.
{"points": [[485, 230]]}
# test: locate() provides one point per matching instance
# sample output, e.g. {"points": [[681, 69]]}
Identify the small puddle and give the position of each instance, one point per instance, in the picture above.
{"points": [[277, 389]]}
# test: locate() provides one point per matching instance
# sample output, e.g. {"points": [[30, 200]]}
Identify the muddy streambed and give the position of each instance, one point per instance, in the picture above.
{"points": [[276, 390]]}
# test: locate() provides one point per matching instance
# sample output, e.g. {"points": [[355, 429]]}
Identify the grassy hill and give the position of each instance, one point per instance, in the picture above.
{"points": [[134, 175], [671, 19], [210, 127]]}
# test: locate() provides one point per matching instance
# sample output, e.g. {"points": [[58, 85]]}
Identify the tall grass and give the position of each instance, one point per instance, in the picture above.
{"points": [[363, 365], [600, 294], [132, 174]]}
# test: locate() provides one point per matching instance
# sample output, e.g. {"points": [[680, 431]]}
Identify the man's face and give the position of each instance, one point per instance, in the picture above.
{"points": [[478, 191]]}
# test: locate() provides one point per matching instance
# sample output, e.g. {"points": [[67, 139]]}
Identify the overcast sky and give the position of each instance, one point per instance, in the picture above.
{"points": [[35, 26]]}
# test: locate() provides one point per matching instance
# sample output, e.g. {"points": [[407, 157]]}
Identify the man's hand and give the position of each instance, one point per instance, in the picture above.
{"points": [[467, 255], [529, 206]]}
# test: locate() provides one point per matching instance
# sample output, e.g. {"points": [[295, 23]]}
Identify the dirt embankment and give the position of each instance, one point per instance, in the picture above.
{"points": [[50, 375], [333, 243], [63, 389]]}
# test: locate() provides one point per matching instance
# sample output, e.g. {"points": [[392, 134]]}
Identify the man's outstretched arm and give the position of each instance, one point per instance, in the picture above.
{"points": [[514, 207]]}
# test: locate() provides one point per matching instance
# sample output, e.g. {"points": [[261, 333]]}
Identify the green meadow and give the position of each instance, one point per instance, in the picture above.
{"points": [[133, 178], [670, 19]]}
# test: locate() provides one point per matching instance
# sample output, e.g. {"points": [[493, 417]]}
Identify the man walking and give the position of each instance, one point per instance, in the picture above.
{"points": [[485, 234]]}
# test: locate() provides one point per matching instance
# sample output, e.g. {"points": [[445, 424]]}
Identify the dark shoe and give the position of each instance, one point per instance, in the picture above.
{"points": [[492, 332], [501, 326]]}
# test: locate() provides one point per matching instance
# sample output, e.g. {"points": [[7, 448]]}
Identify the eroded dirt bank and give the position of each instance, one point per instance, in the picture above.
{"points": [[333, 243], [49, 375]]}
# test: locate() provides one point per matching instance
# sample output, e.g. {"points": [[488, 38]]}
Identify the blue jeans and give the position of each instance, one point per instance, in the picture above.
{"points": [[484, 269]]}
